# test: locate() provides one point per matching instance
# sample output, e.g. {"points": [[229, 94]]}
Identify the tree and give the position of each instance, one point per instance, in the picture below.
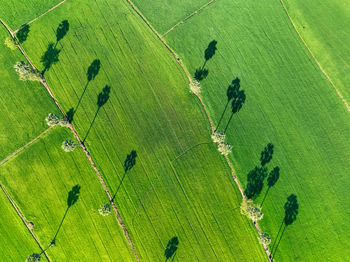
{"points": [[195, 86], [104, 210], [225, 148], [26, 72], [10, 43], [68, 145], [52, 119], [264, 239], [251, 210], [218, 137], [33, 258]]}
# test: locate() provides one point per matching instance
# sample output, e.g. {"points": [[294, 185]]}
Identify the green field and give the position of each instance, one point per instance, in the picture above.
{"points": [[289, 104], [23, 105], [39, 180], [325, 28]]}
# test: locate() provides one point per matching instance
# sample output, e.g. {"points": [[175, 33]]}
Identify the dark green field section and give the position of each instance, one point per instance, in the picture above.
{"points": [[39, 180], [325, 28], [164, 14], [16, 13], [23, 105], [149, 110], [16, 243], [290, 104]]}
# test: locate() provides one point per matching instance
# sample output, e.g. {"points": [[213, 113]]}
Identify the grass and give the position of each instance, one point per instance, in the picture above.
{"points": [[16, 13], [150, 110], [39, 180], [21, 118], [324, 27], [16, 243], [290, 104]]}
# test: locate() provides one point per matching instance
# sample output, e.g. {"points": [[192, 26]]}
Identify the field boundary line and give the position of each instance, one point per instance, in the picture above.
{"points": [[188, 17], [233, 173], [32, 21], [24, 147], [314, 58], [24, 220], [83, 147]]}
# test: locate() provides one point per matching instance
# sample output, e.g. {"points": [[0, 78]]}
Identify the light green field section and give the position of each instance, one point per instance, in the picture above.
{"points": [[16, 243], [39, 180], [325, 28], [164, 14], [23, 105], [16, 13], [289, 104], [149, 110]]}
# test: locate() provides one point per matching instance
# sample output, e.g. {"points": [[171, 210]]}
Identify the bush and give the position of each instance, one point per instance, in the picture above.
{"points": [[10, 43], [52, 120], [68, 145], [104, 210], [195, 86], [251, 210], [218, 137], [225, 148], [33, 258], [26, 72], [264, 239]]}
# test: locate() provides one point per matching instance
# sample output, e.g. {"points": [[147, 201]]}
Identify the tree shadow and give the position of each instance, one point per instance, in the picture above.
{"points": [[237, 103], [70, 115], [231, 92], [50, 57], [209, 52], [290, 215], [91, 73], [171, 248], [271, 181], [22, 34], [102, 99], [62, 30], [266, 154], [129, 163], [255, 182], [72, 198]]}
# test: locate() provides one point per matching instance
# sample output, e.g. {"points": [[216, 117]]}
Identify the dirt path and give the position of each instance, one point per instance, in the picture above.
{"points": [[188, 17], [39, 16], [25, 221], [24, 147], [314, 58], [267, 251], [44, 83]]}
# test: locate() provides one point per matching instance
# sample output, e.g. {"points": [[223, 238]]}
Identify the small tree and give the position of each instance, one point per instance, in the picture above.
{"points": [[218, 137], [52, 120], [225, 148], [26, 72], [68, 145], [251, 210], [10, 43], [195, 86], [104, 210], [33, 258], [264, 239]]}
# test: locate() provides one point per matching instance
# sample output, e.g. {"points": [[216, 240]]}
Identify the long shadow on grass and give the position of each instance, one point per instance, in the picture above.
{"points": [[171, 248], [129, 163], [271, 181], [201, 72], [22, 34], [102, 99], [291, 211], [61, 30]]}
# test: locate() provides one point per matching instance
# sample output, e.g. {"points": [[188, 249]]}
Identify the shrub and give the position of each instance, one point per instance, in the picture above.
{"points": [[33, 258], [104, 210], [10, 43], [251, 210], [264, 239], [195, 86], [52, 120], [225, 148], [218, 137], [26, 72], [68, 145]]}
